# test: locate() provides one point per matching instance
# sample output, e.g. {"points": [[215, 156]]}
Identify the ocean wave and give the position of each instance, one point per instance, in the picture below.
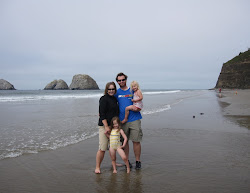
{"points": [[46, 97], [47, 145], [157, 110], [161, 92], [23, 96]]}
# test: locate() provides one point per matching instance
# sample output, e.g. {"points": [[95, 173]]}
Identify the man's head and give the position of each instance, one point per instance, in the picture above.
{"points": [[121, 79]]}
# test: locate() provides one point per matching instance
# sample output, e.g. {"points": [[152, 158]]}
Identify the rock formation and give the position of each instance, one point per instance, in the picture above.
{"points": [[83, 82], [5, 85], [57, 85], [235, 73]]}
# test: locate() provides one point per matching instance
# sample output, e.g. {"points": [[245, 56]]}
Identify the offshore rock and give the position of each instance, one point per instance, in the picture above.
{"points": [[235, 74], [83, 82], [5, 85], [57, 85]]}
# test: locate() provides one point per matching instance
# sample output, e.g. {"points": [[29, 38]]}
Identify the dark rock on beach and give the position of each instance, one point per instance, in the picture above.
{"points": [[5, 85], [235, 73], [83, 82], [57, 85]]}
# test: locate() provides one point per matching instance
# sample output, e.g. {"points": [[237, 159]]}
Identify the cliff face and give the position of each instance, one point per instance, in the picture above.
{"points": [[235, 73]]}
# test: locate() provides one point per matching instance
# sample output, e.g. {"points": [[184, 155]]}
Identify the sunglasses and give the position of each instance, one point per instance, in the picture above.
{"points": [[121, 80], [111, 89]]}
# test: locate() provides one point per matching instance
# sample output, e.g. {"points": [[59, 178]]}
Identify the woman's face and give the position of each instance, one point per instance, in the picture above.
{"points": [[111, 90]]}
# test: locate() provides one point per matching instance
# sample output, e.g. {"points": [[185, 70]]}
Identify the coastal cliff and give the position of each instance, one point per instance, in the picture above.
{"points": [[235, 73]]}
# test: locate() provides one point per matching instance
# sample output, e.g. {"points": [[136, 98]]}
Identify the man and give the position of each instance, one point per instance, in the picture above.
{"points": [[132, 127]]}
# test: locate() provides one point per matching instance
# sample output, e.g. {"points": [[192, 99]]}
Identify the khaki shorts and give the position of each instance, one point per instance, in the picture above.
{"points": [[133, 130], [103, 140]]}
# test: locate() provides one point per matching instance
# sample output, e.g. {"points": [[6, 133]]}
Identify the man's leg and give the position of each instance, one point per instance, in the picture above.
{"points": [[137, 150], [136, 137], [126, 149]]}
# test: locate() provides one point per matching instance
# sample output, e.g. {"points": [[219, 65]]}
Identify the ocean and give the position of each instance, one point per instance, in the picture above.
{"points": [[32, 121]]}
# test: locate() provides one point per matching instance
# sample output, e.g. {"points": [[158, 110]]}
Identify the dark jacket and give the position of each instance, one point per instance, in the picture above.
{"points": [[108, 108]]}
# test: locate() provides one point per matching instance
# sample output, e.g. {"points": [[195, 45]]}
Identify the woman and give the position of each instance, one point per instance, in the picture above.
{"points": [[108, 108]]}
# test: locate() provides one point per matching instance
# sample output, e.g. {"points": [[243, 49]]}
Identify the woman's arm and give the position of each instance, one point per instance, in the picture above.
{"points": [[102, 113], [105, 124], [124, 137]]}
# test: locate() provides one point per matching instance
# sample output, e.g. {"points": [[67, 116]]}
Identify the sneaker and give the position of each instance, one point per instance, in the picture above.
{"points": [[138, 165]]}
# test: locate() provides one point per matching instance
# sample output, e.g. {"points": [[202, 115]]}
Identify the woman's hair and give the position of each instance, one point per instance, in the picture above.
{"points": [[134, 83], [118, 121], [107, 87]]}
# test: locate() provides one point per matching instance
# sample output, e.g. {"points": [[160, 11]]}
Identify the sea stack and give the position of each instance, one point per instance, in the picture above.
{"points": [[83, 82], [57, 85], [5, 85], [235, 74]]}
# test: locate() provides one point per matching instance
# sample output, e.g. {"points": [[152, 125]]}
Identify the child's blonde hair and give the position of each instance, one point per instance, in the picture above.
{"points": [[135, 83], [118, 121]]}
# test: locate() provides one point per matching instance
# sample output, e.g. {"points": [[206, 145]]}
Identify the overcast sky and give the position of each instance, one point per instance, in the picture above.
{"points": [[163, 44]]}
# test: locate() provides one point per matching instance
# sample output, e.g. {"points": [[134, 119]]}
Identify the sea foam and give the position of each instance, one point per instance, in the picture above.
{"points": [[156, 110]]}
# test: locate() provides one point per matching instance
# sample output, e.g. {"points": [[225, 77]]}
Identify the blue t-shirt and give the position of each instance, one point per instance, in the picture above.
{"points": [[124, 99]]}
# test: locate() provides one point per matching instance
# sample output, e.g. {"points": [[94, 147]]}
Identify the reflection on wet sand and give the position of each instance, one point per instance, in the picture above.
{"points": [[120, 182]]}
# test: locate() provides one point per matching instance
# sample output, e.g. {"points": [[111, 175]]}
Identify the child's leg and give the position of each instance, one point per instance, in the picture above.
{"points": [[129, 108], [124, 158], [112, 154]]}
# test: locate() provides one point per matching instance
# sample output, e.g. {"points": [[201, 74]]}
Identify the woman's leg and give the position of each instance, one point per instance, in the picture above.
{"points": [[103, 146], [99, 157]]}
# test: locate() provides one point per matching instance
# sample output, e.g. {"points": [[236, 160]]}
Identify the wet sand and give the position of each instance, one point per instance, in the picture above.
{"points": [[208, 153], [236, 105]]}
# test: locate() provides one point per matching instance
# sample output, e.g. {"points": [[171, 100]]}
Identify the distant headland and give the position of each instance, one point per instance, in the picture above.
{"points": [[236, 72]]}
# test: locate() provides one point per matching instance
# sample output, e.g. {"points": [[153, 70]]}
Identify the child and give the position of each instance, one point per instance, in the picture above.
{"points": [[115, 145], [137, 101]]}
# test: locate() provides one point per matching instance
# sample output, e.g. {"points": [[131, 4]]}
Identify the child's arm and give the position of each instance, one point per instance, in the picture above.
{"points": [[124, 137], [139, 94]]}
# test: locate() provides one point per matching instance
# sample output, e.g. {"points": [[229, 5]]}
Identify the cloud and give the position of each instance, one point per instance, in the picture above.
{"points": [[163, 44]]}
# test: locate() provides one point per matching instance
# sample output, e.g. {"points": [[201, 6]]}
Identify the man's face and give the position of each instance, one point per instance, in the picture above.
{"points": [[121, 80]]}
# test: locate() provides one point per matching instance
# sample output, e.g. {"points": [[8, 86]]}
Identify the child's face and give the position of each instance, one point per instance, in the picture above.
{"points": [[116, 125], [134, 87]]}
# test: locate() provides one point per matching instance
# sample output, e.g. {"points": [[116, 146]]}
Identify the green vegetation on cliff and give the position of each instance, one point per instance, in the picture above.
{"points": [[242, 57]]}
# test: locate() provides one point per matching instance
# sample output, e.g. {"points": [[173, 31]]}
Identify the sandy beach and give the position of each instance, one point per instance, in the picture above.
{"points": [[236, 104], [201, 145]]}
